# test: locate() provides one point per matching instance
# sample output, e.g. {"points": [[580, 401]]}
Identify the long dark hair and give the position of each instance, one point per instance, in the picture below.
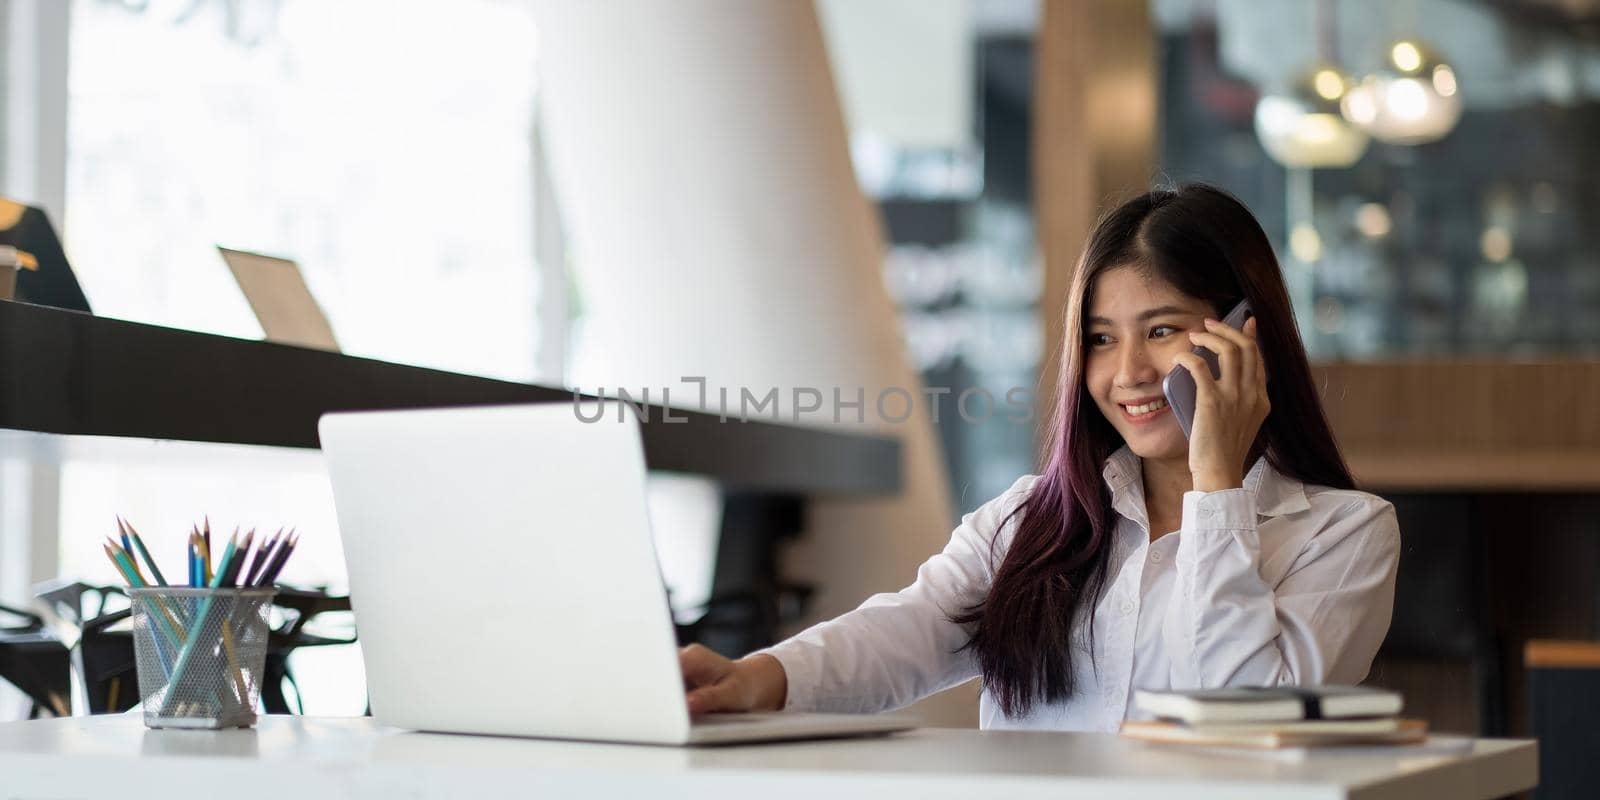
{"points": [[1205, 243]]}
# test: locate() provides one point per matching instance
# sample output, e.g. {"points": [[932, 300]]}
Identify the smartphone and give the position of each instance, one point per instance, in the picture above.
{"points": [[1179, 386]]}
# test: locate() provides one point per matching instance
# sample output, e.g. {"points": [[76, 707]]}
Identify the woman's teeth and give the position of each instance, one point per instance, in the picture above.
{"points": [[1153, 405]]}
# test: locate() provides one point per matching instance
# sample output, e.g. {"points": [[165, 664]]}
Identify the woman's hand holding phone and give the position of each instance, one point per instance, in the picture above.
{"points": [[1229, 409]]}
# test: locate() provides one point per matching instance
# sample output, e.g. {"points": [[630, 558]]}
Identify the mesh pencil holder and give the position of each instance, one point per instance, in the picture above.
{"points": [[201, 654]]}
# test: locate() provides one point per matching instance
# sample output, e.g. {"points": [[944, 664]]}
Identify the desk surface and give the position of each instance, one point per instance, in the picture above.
{"points": [[115, 756]]}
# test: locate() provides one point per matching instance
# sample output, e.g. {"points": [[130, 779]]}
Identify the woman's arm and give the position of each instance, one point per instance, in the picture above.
{"points": [[1321, 623], [896, 647]]}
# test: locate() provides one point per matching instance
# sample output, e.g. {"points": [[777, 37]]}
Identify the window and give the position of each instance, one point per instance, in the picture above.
{"points": [[386, 146]]}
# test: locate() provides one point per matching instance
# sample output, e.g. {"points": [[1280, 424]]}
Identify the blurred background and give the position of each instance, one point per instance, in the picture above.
{"points": [[1424, 168]]}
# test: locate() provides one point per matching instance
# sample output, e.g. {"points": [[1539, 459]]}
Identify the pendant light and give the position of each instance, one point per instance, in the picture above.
{"points": [[1303, 127], [1412, 100]]}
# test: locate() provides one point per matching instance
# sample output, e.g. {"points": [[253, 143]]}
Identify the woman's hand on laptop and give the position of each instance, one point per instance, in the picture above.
{"points": [[715, 683]]}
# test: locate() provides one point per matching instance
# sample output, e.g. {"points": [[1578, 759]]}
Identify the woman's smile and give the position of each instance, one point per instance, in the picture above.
{"points": [[1143, 412]]}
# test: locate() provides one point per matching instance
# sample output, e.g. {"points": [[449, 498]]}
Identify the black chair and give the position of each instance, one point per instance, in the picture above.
{"points": [[300, 607], [67, 604], [1441, 610], [750, 602], [111, 681], [77, 613], [37, 663]]}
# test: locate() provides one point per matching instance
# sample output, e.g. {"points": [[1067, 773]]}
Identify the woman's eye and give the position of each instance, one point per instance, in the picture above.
{"points": [[1162, 331], [1099, 340]]}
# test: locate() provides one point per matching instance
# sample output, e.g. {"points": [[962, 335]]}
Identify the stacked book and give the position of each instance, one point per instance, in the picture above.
{"points": [[1274, 717]]}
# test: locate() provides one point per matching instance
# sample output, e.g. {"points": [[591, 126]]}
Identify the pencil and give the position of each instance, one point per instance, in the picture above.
{"points": [[125, 567], [264, 557], [260, 560], [138, 542], [228, 566], [205, 559], [271, 577], [230, 576], [191, 642], [127, 573], [214, 579], [131, 562]]}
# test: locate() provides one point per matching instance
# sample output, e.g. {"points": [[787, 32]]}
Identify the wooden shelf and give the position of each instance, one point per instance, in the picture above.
{"points": [[1561, 654], [65, 372], [1444, 470], [1466, 425]]}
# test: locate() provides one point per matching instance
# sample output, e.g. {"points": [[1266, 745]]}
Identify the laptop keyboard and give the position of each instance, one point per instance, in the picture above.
{"points": [[718, 719]]}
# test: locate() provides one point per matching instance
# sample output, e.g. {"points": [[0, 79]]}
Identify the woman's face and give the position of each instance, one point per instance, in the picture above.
{"points": [[1134, 326]]}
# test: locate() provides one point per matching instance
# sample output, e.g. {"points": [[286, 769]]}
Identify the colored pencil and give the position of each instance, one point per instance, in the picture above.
{"points": [[269, 551], [263, 552], [194, 560], [271, 577], [127, 573], [125, 566], [204, 544], [132, 563], [230, 577], [186, 652], [214, 579], [144, 553]]}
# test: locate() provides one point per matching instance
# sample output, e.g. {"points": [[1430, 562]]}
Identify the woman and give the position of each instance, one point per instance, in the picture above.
{"points": [[1138, 559]]}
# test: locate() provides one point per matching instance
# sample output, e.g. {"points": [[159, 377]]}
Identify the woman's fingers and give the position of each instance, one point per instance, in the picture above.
{"points": [[716, 697], [1205, 385], [1258, 362], [1227, 356], [712, 681], [1248, 360], [702, 665]]}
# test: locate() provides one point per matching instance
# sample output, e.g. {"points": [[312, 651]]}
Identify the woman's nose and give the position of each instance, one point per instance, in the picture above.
{"points": [[1135, 366]]}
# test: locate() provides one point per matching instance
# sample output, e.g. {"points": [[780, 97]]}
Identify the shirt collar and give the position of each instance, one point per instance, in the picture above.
{"points": [[1276, 493]]}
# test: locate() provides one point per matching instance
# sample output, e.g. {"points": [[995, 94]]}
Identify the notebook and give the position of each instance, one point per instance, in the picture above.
{"points": [[1268, 704], [1291, 734]]}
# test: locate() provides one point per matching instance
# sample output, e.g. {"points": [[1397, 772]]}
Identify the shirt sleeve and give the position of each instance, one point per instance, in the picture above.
{"points": [[1323, 620], [899, 647]]}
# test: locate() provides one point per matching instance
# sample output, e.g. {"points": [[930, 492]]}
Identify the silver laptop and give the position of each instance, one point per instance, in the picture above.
{"points": [[281, 300], [504, 580]]}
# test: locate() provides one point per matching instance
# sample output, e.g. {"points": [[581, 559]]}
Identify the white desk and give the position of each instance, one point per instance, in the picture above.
{"points": [[285, 758]]}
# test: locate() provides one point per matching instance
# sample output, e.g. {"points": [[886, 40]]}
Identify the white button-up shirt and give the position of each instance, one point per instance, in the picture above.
{"points": [[1273, 583]]}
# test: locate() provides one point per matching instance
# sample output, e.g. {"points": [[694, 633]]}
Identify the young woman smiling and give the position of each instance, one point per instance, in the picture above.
{"points": [[1137, 558]]}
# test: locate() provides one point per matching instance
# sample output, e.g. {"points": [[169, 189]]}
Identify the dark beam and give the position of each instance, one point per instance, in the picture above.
{"points": [[70, 373]]}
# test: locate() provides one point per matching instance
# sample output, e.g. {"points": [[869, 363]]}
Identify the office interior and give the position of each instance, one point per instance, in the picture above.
{"points": [[875, 194]]}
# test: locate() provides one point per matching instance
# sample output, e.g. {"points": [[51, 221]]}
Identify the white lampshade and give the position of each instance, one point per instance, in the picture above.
{"points": [[1304, 127], [1413, 100]]}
